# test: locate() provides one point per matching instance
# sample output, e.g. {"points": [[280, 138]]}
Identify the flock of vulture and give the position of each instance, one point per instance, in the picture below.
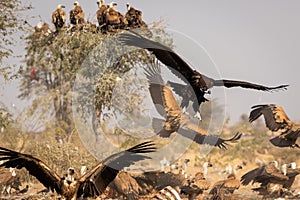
{"points": [[272, 180], [109, 19]]}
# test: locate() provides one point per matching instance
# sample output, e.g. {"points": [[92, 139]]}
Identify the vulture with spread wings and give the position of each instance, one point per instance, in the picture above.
{"points": [[91, 184], [277, 120], [265, 174], [225, 187], [197, 83], [176, 121]]}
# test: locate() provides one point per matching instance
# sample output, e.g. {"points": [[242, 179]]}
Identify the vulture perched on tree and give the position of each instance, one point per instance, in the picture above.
{"points": [[225, 187], [59, 17], [277, 120], [113, 18], [42, 28], [100, 12], [91, 184], [134, 17], [77, 14], [176, 121], [197, 84]]}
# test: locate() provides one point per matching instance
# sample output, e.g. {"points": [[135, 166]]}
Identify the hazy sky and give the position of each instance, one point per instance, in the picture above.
{"points": [[251, 40]]}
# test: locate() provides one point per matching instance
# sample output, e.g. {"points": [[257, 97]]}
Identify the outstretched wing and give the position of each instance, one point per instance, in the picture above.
{"points": [[275, 117], [244, 84], [98, 178], [163, 99], [251, 175], [203, 138], [163, 53], [34, 166]]}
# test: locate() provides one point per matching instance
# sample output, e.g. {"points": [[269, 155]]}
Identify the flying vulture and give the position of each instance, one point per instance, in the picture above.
{"points": [[277, 120], [91, 184], [113, 18], [196, 186], [77, 14], [59, 17], [100, 12], [225, 187], [176, 121], [134, 17], [195, 81]]}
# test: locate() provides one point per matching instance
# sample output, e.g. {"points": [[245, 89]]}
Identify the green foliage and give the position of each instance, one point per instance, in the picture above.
{"points": [[10, 23]]}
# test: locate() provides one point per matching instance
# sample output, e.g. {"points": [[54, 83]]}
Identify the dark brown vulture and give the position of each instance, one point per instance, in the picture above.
{"points": [[113, 18], [196, 186], [100, 12], [277, 120], [91, 184], [271, 178], [125, 186], [225, 187], [59, 17], [77, 14], [134, 17], [197, 83], [176, 121], [291, 172]]}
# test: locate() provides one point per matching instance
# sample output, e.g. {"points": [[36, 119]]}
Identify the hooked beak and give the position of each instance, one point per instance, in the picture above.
{"points": [[115, 4], [63, 6], [209, 165]]}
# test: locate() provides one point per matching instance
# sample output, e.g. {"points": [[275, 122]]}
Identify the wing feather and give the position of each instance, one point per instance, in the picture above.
{"points": [[99, 177], [34, 166], [274, 115], [163, 53]]}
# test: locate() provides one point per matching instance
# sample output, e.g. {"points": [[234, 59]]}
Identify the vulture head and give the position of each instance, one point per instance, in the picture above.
{"points": [[275, 163], [76, 3], [292, 165], [113, 4], [60, 6], [12, 171], [70, 175], [284, 168], [128, 6]]}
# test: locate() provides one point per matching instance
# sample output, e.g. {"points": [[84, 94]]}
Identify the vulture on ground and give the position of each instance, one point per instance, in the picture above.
{"points": [[196, 186], [59, 17], [225, 187], [176, 121], [77, 14], [277, 120], [197, 84], [91, 184]]}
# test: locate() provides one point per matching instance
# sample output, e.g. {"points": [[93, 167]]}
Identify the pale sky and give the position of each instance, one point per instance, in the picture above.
{"points": [[252, 40]]}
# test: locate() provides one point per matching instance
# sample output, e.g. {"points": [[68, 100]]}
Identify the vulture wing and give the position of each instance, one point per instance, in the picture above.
{"points": [[34, 166], [98, 178], [163, 53], [275, 117], [244, 84], [165, 103], [203, 138]]}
